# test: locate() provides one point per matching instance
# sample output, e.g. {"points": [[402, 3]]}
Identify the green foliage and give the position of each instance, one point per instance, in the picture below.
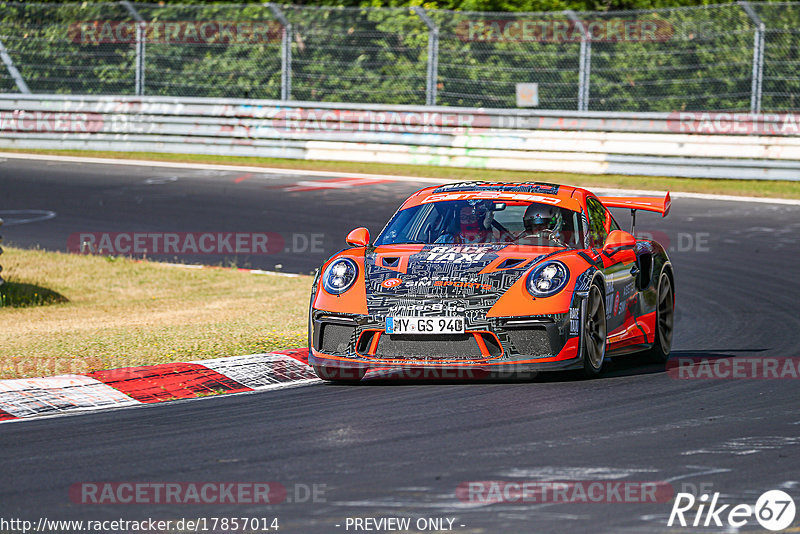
{"points": [[358, 55], [472, 5], [21, 295], [701, 60]]}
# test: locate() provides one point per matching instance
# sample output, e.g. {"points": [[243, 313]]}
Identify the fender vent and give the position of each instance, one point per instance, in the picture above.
{"points": [[511, 263], [645, 271], [391, 262]]}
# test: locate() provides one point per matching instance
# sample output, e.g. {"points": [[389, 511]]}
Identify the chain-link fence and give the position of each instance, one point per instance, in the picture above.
{"points": [[732, 57]]}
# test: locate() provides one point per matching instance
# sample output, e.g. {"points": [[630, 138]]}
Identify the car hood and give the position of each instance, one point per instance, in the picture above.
{"points": [[446, 271]]}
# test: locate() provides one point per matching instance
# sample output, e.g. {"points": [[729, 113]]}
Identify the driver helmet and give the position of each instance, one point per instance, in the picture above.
{"points": [[539, 217]]}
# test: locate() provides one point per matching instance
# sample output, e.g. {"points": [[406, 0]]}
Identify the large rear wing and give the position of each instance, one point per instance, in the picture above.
{"points": [[659, 205]]}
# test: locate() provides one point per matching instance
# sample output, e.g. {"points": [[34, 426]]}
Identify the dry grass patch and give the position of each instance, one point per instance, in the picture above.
{"points": [[116, 312]]}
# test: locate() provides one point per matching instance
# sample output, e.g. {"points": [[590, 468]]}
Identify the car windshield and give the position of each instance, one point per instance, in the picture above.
{"points": [[484, 221]]}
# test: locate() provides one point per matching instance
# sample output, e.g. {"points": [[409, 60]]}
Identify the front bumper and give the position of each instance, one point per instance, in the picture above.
{"points": [[510, 344]]}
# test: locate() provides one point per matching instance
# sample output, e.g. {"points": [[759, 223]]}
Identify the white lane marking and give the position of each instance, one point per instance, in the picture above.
{"points": [[711, 471], [336, 183], [15, 217], [747, 445], [574, 473], [393, 178], [389, 502], [161, 180], [251, 271]]}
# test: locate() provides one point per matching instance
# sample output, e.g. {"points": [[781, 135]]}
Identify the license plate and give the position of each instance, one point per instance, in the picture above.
{"points": [[424, 325]]}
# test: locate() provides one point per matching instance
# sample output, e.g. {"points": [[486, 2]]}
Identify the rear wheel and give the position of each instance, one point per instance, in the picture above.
{"points": [[343, 375], [594, 333], [665, 318]]}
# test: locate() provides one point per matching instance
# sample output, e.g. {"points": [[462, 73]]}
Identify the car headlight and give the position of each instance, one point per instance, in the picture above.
{"points": [[547, 279], [339, 276]]}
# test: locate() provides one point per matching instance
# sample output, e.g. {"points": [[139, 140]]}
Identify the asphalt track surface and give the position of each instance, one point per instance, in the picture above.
{"points": [[389, 449]]}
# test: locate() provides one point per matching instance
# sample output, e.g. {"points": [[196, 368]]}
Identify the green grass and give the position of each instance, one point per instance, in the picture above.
{"points": [[68, 313], [756, 188], [22, 295]]}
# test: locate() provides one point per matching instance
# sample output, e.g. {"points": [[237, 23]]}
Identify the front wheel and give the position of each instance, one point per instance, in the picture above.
{"points": [[594, 333], [665, 318], [342, 375]]}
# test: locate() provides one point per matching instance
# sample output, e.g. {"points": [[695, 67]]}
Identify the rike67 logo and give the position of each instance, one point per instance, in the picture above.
{"points": [[774, 510]]}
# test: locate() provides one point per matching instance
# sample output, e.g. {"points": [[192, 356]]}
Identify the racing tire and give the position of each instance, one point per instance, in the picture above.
{"points": [[665, 319], [340, 375], [594, 336]]}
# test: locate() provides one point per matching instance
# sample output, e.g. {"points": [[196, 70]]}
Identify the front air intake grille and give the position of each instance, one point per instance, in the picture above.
{"points": [[335, 338], [492, 344], [436, 347], [533, 341]]}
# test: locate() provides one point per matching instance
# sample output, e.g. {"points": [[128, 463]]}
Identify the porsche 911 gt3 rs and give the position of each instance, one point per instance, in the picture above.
{"points": [[494, 277]]}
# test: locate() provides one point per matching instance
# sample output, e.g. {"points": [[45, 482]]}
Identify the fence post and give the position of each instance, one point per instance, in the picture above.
{"points": [[140, 43], [12, 70], [286, 51], [758, 57], [585, 62], [432, 76]]}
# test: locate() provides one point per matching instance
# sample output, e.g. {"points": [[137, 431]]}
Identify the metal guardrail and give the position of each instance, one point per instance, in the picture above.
{"points": [[707, 145]]}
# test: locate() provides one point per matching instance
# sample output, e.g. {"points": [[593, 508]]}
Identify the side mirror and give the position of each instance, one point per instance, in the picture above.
{"points": [[358, 237], [618, 240]]}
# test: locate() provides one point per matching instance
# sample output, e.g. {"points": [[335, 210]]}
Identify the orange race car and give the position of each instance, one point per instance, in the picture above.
{"points": [[493, 277]]}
